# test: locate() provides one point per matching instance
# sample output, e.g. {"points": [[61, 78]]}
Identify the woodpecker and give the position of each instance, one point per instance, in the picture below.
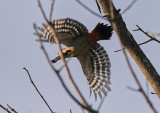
{"points": [[83, 45]]}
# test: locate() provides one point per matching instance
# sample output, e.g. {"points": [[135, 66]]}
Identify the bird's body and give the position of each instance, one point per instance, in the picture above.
{"points": [[83, 45]]}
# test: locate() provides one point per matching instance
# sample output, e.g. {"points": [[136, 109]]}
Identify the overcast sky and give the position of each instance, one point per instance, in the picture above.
{"points": [[19, 49]]}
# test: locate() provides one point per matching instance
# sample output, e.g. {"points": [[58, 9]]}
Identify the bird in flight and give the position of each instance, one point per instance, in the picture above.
{"points": [[83, 45]]}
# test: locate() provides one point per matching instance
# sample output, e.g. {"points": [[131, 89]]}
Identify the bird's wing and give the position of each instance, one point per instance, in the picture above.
{"points": [[96, 66], [67, 30]]}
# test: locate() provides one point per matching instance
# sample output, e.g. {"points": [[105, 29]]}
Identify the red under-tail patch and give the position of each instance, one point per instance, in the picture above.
{"points": [[94, 36], [101, 32]]}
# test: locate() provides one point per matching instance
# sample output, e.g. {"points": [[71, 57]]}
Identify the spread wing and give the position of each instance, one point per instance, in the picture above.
{"points": [[67, 30], [96, 67]]}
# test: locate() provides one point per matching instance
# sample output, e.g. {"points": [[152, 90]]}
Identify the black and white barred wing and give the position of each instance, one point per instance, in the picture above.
{"points": [[96, 66], [67, 30]]}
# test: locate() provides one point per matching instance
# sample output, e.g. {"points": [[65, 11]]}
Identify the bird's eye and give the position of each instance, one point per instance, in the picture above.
{"points": [[68, 51]]}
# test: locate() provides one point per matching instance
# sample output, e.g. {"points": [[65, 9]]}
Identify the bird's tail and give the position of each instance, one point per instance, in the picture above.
{"points": [[101, 32]]}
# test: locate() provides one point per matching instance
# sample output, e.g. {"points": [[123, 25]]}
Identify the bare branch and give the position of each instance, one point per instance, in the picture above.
{"points": [[5, 109], [40, 6], [151, 37], [101, 103], [51, 11], [99, 8], [63, 65], [138, 44], [133, 89], [119, 26], [128, 7], [154, 34], [37, 90], [88, 9], [145, 42], [43, 40], [131, 45], [12, 109]]}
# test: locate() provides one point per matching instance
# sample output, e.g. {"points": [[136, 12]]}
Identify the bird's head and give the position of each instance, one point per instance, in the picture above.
{"points": [[67, 52]]}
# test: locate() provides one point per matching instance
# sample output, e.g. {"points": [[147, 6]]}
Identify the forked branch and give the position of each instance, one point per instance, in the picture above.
{"points": [[151, 37]]}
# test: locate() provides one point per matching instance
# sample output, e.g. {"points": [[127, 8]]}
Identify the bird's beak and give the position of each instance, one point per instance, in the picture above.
{"points": [[56, 59]]}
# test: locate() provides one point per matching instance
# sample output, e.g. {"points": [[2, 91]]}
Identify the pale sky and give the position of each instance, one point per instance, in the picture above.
{"points": [[19, 49]]}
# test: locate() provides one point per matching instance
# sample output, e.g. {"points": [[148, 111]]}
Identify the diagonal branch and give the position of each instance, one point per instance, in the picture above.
{"points": [[151, 37], [138, 44], [99, 8], [5, 109], [154, 34], [101, 103], [51, 11], [130, 44], [113, 19], [12, 109], [37, 90], [88, 9], [128, 7]]}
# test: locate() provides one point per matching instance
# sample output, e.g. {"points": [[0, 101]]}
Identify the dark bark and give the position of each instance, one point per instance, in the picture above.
{"points": [[130, 44]]}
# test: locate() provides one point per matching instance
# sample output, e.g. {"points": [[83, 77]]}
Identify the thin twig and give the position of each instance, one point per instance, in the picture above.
{"points": [[99, 8], [146, 33], [145, 42], [101, 103], [43, 40], [51, 11], [60, 78], [5, 109], [62, 57], [154, 34], [37, 90], [133, 89], [63, 65], [12, 109], [128, 7], [138, 44], [39, 4], [151, 37], [88, 9]]}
